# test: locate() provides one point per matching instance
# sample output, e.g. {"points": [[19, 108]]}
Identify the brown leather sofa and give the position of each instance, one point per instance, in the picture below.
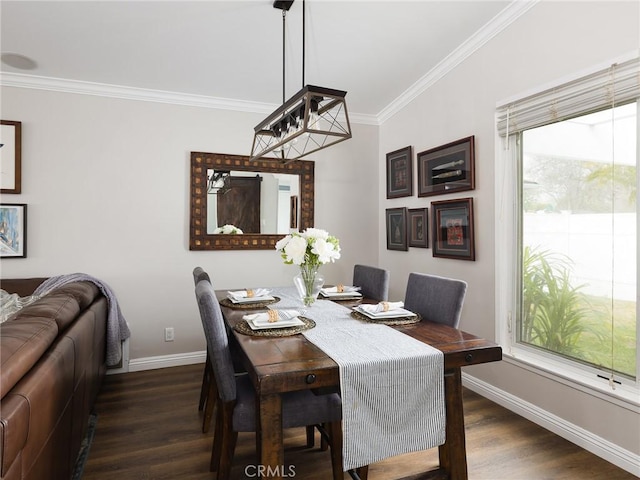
{"points": [[52, 363]]}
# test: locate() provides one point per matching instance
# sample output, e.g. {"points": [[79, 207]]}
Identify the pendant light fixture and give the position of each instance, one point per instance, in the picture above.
{"points": [[313, 119]]}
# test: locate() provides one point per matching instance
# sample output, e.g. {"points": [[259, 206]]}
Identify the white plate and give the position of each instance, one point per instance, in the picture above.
{"points": [[265, 298], [291, 322], [395, 313], [341, 294]]}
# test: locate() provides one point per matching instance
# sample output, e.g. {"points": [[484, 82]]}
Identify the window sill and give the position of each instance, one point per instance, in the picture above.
{"points": [[625, 395]]}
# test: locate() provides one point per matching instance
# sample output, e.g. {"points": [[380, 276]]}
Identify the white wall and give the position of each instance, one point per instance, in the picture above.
{"points": [[107, 186], [552, 40]]}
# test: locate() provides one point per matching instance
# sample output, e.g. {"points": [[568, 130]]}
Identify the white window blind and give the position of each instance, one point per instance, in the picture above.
{"points": [[617, 84]]}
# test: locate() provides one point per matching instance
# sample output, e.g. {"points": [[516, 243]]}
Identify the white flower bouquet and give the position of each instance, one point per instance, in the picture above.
{"points": [[309, 249]]}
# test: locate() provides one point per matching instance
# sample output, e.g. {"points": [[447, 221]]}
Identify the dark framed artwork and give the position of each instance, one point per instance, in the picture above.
{"points": [[10, 156], [453, 235], [418, 227], [13, 230], [400, 173], [447, 169], [396, 228]]}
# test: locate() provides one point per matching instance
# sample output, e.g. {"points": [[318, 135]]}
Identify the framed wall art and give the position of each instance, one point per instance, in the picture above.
{"points": [[418, 227], [453, 235], [400, 173], [10, 156], [396, 228], [447, 169], [13, 230]]}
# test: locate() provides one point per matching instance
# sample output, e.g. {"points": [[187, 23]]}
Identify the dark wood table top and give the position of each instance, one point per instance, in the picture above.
{"points": [[284, 363]]}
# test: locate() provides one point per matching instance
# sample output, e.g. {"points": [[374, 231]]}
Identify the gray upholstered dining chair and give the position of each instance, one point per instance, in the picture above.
{"points": [[236, 410], [436, 299], [373, 282], [207, 390]]}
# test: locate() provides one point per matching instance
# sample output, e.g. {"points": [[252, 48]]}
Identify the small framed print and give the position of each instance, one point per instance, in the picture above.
{"points": [[13, 230], [418, 227], [447, 169], [400, 173], [396, 229], [10, 156], [453, 235]]}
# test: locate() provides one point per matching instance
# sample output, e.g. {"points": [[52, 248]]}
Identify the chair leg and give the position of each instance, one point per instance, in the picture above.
{"points": [[206, 377], [311, 432], [335, 434], [216, 449], [224, 442], [324, 445], [212, 400]]}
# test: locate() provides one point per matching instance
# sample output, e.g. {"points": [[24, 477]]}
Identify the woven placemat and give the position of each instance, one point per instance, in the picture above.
{"points": [[225, 302], [388, 321], [245, 329]]}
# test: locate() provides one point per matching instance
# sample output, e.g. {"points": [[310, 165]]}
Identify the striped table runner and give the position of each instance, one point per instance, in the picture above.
{"points": [[392, 385]]}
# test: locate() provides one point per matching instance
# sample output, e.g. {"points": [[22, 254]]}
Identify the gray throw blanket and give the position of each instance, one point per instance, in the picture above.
{"points": [[117, 328]]}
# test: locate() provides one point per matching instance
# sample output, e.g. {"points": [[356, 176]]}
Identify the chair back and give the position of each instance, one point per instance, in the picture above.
{"points": [[217, 340], [373, 282], [200, 274], [436, 299]]}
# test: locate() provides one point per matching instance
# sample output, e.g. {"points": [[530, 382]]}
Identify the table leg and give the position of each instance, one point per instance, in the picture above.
{"points": [[453, 454], [269, 437]]}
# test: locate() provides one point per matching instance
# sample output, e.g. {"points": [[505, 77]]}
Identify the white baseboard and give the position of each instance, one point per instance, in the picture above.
{"points": [[164, 361], [605, 449]]}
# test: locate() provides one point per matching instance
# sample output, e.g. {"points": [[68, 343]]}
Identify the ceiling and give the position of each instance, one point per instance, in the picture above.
{"points": [[232, 50]]}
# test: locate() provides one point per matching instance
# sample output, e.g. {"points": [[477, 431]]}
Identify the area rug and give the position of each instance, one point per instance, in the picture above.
{"points": [[83, 454]]}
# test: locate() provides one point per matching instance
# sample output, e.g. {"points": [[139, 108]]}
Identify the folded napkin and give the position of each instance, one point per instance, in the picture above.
{"points": [[340, 289], [381, 307], [257, 292], [271, 316]]}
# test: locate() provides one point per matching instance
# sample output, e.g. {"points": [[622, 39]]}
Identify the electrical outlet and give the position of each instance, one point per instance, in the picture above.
{"points": [[168, 334]]}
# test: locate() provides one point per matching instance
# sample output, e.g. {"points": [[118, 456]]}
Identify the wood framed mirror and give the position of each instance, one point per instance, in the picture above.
{"points": [[203, 165]]}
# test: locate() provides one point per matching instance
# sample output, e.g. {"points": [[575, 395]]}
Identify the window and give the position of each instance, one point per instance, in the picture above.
{"points": [[568, 221]]}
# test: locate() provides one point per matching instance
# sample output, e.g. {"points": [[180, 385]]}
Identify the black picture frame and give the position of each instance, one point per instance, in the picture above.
{"points": [[448, 168], [400, 173], [396, 221], [13, 230], [418, 227], [453, 230]]}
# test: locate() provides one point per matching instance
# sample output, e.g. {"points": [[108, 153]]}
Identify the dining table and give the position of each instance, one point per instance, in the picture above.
{"points": [[280, 364]]}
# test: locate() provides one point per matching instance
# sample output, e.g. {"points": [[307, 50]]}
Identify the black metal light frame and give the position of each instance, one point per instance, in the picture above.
{"points": [[313, 119]]}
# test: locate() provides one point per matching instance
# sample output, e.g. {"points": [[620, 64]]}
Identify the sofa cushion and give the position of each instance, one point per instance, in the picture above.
{"points": [[83, 292], [57, 306]]}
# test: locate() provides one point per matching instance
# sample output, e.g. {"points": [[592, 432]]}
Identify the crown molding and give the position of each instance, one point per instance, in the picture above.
{"points": [[37, 82], [498, 23], [64, 85]]}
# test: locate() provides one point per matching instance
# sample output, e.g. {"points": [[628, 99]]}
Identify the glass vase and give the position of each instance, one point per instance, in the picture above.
{"points": [[308, 283]]}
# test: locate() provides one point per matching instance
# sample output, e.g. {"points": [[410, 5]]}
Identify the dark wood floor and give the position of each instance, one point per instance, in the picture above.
{"points": [[149, 428]]}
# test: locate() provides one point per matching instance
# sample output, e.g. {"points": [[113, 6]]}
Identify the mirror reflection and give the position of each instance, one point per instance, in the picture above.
{"points": [[253, 202], [285, 201]]}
